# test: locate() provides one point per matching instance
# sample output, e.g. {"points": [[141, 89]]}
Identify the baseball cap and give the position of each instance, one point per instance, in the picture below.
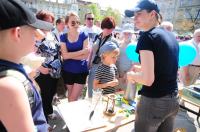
{"points": [[108, 46], [14, 13], [128, 28], [143, 5]]}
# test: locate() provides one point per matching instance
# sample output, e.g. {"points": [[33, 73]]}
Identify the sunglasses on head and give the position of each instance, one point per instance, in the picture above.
{"points": [[73, 23], [90, 18]]}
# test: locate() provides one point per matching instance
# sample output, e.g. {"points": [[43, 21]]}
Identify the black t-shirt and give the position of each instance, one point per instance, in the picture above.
{"points": [[165, 49]]}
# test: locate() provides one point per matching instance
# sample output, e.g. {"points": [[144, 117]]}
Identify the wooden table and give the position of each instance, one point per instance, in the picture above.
{"points": [[76, 116]]}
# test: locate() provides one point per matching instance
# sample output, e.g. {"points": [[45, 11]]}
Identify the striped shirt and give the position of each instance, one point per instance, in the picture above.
{"points": [[106, 74]]}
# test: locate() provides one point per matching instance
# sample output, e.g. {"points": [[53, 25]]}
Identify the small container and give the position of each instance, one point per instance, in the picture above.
{"points": [[110, 105], [130, 91], [118, 100]]}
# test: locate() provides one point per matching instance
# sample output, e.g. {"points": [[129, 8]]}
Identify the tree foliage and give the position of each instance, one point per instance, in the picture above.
{"points": [[114, 13], [100, 14], [96, 11]]}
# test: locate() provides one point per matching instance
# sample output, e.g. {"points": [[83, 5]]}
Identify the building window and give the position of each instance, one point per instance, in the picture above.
{"points": [[198, 13], [190, 2], [187, 13]]}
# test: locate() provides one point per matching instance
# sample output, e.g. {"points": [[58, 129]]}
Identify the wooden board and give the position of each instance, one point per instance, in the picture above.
{"points": [[76, 116]]}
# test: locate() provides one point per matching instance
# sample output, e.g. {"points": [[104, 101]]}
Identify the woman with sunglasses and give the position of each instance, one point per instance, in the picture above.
{"points": [[74, 51], [107, 25], [158, 51]]}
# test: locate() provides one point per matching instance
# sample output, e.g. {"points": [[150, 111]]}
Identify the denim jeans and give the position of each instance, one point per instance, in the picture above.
{"points": [[91, 77], [156, 114]]}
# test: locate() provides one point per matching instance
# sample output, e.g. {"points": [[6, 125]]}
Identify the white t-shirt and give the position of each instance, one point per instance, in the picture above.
{"points": [[197, 58], [91, 32]]}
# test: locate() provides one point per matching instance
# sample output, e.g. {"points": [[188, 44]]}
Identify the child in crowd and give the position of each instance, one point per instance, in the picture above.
{"points": [[21, 105], [106, 74]]}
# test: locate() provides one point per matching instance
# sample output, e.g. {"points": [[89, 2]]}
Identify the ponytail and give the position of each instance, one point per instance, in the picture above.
{"points": [[159, 18]]}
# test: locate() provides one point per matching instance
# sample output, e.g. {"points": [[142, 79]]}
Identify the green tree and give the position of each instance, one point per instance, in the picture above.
{"points": [[114, 13], [99, 15], [95, 10]]}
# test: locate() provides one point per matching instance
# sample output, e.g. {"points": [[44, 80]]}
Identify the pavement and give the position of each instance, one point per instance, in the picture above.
{"points": [[185, 122]]}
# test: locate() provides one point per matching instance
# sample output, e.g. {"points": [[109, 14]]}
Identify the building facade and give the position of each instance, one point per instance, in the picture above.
{"points": [[187, 16], [167, 9], [184, 14], [58, 7]]}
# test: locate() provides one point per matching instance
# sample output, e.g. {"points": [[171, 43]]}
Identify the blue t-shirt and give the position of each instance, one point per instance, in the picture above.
{"points": [[71, 65], [36, 107], [165, 49]]}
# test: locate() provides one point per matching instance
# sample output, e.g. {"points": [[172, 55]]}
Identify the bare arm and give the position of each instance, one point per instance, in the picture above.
{"points": [[185, 77], [15, 111], [90, 58], [146, 75], [85, 55], [97, 84], [70, 55]]}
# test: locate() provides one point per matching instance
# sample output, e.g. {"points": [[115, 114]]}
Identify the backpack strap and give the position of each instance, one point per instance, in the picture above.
{"points": [[26, 83], [102, 43]]}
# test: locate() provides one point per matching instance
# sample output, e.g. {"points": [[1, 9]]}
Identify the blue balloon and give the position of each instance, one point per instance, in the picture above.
{"points": [[187, 53], [130, 52]]}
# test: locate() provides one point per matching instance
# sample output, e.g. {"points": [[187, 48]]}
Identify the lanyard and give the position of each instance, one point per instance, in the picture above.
{"points": [[102, 43]]}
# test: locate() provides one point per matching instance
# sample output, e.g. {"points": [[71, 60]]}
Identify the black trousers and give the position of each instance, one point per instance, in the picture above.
{"points": [[48, 87]]}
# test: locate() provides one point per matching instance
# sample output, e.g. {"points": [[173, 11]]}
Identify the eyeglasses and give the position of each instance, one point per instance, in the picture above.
{"points": [[73, 23], [90, 18]]}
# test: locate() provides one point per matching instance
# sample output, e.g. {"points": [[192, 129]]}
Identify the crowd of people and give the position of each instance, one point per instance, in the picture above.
{"points": [[91, 56]]}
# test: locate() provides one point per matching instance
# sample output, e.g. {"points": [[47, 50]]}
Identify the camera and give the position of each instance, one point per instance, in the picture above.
{"points": [[96, 60]]}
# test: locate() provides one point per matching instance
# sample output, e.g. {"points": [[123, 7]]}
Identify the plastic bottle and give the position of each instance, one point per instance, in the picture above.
{"points": [[130, 91]]}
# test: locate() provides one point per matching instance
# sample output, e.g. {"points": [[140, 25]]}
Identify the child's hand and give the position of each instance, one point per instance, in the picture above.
{"points": [[113, 83]]}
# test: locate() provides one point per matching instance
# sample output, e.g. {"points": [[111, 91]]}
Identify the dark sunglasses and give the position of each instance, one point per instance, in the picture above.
{"points": [[73, 23], [90, 18]]}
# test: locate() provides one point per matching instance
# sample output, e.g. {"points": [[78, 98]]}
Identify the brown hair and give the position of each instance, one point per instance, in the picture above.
{"points": [[69, 15], [158, 16], [59, 20], [43, 14], [108, 22]]}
